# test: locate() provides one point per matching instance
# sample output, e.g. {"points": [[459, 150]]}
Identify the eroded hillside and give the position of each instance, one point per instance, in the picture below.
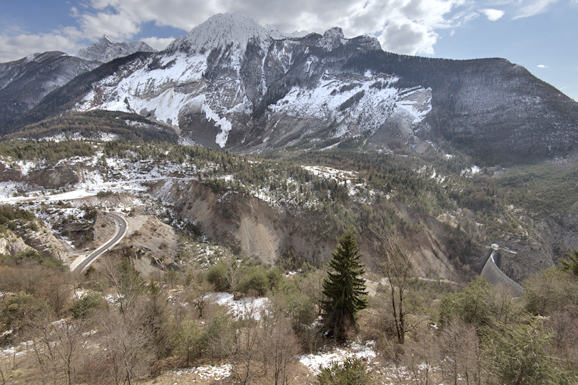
{"points": [[445, 213]]}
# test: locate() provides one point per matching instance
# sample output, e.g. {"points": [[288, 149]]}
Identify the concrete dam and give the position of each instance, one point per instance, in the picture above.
{"points": [[495, 276]]}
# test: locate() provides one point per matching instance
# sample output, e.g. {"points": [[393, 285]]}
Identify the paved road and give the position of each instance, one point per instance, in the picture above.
{"points": [[121, 229]]}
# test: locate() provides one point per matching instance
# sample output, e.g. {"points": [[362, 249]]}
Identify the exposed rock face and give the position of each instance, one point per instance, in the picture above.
{"points": [[107, 49], [255, 228], [24, 82], [45, 242], [230, 84], [11, 244]]}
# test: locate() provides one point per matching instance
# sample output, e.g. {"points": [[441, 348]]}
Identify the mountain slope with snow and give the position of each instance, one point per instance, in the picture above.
{"points": [[233, 84], [24, 82], [214, 85]]}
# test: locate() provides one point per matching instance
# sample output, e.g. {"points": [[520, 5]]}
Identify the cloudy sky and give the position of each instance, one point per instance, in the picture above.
{"points": [[541, 35]]}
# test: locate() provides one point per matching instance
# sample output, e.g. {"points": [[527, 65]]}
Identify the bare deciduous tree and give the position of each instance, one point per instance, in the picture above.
{"points": [[127, 344], [245, 353], [420, 353], [398, 270], [460, 353], [279, 345], [57, 346]]}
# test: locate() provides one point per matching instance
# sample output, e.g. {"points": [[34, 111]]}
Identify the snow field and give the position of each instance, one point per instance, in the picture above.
{"points": [[141, 88], [375, 104]]}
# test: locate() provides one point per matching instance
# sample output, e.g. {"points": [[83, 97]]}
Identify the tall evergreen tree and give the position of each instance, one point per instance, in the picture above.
{"points": [[343, 289]]}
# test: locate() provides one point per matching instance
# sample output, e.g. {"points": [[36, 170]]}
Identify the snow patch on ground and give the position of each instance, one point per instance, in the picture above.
{"points": [[26, 166], [208, 372], [16, 351], [242, 308], [324, 360], [331, 173], [471, 171]]}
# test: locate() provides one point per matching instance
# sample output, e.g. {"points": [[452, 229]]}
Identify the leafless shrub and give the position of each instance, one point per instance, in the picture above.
{"points": [[244, 355], [58, 347], [420, 355], [564, 324]]}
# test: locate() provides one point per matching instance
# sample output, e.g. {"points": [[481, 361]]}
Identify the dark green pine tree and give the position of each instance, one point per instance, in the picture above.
{"points": [[571, 264], [343, 289]]}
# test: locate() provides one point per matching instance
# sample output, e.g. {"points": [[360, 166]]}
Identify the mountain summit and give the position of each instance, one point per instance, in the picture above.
{"points": [[220, 31], [107, 49]]}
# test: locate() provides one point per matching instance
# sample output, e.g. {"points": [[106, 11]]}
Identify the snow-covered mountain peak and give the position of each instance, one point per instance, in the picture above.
{"points": [[219, 31], [107, 49], [332, 38], [334, 33]]}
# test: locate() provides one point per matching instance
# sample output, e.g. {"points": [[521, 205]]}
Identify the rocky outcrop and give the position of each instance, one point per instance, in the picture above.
{"points": [[42, 177], [45, 242], [11, 244]]}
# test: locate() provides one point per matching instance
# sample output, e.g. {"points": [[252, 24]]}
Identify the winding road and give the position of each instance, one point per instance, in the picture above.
{"points": [[121, 229]]}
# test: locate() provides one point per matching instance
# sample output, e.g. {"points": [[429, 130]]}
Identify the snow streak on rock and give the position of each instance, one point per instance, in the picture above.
{"points": [[366, 103]]}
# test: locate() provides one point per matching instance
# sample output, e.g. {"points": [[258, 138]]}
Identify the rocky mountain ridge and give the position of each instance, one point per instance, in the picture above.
{"points": [[107, 49], [228, 84], [233, 84], [25, 82]]}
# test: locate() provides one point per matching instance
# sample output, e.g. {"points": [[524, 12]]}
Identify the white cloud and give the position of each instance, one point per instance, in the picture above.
{"points": [[120, 26], [408, 38], [16, 47], [403, 26], [533, 8], [183, 14], [158, 44], [492, 14], [542, 66]]}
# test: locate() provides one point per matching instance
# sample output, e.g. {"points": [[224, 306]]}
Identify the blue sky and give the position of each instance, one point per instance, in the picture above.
{"points": [[541, 35]]}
